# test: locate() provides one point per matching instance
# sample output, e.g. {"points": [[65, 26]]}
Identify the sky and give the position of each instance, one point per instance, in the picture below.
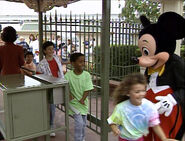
{"points": [[80, 7]]}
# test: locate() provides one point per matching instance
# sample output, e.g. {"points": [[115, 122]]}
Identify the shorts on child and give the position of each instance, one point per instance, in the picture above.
{"points": [[140, 139]]}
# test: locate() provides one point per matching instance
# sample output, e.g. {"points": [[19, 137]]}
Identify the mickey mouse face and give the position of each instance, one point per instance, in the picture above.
{"points": [[147, 45], [169, 28], [157, 41], [149, 58]]}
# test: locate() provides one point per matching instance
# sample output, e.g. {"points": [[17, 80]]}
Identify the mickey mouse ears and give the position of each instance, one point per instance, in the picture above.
{"points": [[145, 22], [173, 24], [170, 23]]}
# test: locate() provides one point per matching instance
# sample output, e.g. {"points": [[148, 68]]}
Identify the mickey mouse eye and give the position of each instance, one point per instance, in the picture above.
{"points": [[145, 51]]}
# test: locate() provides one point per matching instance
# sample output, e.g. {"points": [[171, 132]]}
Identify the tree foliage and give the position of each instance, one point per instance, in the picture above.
{"points": [[135, 8]]}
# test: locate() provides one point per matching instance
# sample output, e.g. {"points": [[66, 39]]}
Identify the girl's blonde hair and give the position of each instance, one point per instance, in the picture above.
{"points": [[120, 93]]}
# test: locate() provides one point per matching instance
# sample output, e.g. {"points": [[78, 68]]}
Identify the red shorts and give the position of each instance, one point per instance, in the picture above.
{"points": [[140, 139]]}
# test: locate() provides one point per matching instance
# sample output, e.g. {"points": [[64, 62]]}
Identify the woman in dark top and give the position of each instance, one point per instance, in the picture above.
{"points": [[11, 55]]}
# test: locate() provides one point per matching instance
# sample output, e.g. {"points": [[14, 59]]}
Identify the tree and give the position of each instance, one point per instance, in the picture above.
{"points": [[135, 8]]}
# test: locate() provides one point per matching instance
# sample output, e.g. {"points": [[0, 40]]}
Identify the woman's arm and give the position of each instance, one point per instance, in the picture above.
{"points": [[21, 56]]}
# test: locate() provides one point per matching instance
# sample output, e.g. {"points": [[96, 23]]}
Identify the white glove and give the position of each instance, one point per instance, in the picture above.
{"points": [[165, 104]]}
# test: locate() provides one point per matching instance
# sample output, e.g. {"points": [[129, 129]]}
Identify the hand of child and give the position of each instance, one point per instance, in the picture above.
{"points": [[71, 97], [116, 131], [82, 101]]}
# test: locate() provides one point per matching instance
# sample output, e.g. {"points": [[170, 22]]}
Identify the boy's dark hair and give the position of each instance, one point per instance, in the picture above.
{"points": [[28, 53], [9, 34], [47, 44], [120, 93], [75, 56]]}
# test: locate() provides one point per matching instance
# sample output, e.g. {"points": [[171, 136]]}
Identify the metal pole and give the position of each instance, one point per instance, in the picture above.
{"points": [[105, 65], [40, 31]]}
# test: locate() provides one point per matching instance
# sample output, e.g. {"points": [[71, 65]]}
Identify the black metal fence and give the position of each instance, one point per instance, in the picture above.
{"points": [[82, 34]]}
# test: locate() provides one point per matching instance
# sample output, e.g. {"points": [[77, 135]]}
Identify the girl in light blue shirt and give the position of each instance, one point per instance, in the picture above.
{"points": [[134, 114]]}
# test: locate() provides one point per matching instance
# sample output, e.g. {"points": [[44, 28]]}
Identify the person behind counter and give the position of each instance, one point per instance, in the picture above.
{"points": [[52, 66], [12, 56], [29, 67]]}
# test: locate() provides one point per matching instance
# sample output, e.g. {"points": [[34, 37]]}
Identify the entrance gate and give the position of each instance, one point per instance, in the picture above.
{"points": [[83, 34]]}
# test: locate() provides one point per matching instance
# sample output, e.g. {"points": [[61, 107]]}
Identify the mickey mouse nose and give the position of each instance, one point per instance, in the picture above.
{"points": [[135, 59]]}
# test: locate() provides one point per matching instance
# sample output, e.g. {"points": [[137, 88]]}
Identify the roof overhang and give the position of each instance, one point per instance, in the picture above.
{"points": [[44, 5], [14, 0]]}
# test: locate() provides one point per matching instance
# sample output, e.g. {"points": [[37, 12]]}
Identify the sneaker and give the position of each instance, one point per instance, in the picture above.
{"points": [[52, 134]]}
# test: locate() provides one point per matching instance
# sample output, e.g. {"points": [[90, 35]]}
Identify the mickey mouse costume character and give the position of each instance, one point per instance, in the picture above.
{"points": [[164, 71]]}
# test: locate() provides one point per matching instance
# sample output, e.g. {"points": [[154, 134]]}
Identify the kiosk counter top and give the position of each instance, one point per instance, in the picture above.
{"points": [[17, 82], [24, 105]]}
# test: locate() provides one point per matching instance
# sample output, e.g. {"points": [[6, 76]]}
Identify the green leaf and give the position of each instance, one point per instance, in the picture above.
{"points": [[139, 7]]}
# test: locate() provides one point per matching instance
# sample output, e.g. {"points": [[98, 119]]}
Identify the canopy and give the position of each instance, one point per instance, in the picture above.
{"points": [[44, 5]]}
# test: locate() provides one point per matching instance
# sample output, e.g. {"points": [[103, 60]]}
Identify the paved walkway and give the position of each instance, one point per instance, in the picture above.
{"points": [[90, 135], [60, 136]]}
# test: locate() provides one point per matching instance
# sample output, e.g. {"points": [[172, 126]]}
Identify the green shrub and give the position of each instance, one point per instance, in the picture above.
{"points": [[120, 60], [182, 51]]}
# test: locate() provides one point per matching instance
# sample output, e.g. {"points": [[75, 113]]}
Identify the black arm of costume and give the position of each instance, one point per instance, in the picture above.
{"points": [[179, 95], [0, 68], [179, 77]]}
